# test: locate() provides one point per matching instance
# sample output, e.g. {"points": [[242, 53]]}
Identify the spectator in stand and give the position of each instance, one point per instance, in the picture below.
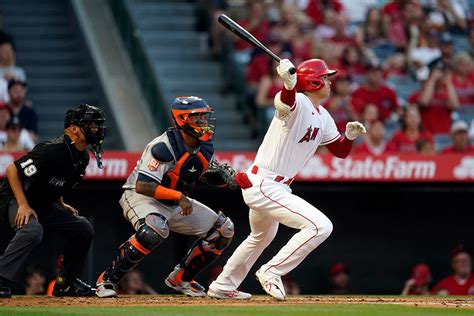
{"points": [[370, 114], [341, 37], [425, 147], [397, 15], [372, 32], [268, 87], [404, 140], [446, 46], [13, 131], [461, 282], [471, 42], [315, 9], [326, 30], [133, 284], [449, 15], [338, 279], [357, 10], [436, 100], [463, 78], [300, 42], [28, 117], [460, 140], [424, 47], [25, 138], [352, 61], [374, 143], [35, 281], [338, 105], [395, 66], [8, 68], [257, 24], [374, 91], [258, 67], [207, 13], [419, 281]]}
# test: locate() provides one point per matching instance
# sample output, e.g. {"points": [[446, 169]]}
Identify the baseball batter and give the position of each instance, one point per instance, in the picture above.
{"points": [[155, 200], [299, 126]]}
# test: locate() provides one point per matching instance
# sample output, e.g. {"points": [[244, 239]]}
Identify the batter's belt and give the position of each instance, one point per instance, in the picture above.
{"points": [[271, 175]]}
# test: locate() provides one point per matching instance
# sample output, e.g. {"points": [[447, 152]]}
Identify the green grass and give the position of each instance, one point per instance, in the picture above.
{"points": [[206, 310]]}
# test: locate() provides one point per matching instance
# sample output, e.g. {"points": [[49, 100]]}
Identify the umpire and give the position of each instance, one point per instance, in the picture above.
{"points": [[31, 198]]}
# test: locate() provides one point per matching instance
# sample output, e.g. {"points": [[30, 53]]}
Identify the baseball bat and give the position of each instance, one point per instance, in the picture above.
{"points": [[238, 30]]}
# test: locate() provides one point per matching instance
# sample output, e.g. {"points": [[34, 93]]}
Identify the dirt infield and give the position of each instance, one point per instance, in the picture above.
{"points": [[177, 300]]}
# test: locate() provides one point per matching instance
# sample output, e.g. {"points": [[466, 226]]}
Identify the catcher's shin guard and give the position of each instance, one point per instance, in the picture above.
{"points": [[206, 249], [147, 238]]}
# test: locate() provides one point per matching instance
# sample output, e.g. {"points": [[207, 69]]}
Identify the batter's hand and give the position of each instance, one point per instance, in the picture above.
{"points": [[186, 206], [283, 71], [23, 215], [354, 129]]}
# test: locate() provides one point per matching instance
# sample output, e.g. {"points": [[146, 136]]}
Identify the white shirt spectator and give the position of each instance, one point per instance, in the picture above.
{"points": [[4, 96], [25, 140], [357, 10]]}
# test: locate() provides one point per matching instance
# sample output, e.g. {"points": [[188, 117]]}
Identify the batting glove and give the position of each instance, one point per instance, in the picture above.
{"points": [[354, 129], [283, 71]]}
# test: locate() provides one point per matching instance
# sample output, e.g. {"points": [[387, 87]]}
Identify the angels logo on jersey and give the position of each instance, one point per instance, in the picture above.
{"points": [[153, 164], [310, 134]]}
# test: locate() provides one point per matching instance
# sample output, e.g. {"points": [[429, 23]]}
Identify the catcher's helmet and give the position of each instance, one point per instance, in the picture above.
{"points": [[186, 106], [309, 75], [90, 119]]}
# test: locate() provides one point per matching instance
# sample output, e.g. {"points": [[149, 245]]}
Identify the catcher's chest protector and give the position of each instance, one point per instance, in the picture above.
{"points": [[189, 166]]}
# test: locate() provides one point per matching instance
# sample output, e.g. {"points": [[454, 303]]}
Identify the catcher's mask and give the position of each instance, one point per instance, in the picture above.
{"points": [[91, 120], [194, 116], [309, 74]]}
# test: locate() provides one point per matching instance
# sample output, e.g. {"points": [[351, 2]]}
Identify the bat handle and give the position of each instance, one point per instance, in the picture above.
{"points": [[292, 70]]}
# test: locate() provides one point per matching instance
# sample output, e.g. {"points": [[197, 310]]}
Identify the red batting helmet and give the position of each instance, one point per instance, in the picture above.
{"points": [[309, 75]]}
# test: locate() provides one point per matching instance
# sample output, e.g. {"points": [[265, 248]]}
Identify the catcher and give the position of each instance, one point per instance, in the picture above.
{"points": [[155, 200]]}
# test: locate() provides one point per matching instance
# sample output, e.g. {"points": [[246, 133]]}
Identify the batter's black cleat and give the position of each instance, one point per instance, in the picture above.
{"points": [[5, 291], [75, 288]]}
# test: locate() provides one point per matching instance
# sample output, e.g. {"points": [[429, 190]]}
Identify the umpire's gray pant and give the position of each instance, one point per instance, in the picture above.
{"points": [[76, 230]]}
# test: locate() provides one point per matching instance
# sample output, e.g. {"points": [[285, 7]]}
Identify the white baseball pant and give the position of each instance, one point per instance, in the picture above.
{"points": [[272, 203]]}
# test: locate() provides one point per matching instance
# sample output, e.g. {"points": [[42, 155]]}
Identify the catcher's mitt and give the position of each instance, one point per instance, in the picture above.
{"points": [[219, 175]]}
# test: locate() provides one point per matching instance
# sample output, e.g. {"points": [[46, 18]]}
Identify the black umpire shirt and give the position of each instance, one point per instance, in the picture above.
{"points": [[47, 172]]}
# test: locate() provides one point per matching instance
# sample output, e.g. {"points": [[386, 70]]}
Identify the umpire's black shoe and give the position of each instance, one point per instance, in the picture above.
{"points": [[5, 291], [76, 288]]}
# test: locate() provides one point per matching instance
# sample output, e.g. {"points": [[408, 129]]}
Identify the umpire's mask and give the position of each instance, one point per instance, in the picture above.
{"points": [[91, 120]]}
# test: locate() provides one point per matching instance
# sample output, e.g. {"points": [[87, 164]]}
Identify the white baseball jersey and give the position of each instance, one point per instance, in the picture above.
{"points": [[291, 140]]}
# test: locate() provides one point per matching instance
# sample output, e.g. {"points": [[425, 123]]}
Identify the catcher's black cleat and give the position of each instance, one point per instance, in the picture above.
{"points": [[75, 288], [5, 291]]}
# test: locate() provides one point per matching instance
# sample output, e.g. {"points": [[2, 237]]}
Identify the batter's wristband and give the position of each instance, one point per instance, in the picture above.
{"points": [[162, 193]]}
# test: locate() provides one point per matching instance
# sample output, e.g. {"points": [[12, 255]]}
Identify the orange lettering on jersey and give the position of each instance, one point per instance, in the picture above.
{"points": [[153, 164]]}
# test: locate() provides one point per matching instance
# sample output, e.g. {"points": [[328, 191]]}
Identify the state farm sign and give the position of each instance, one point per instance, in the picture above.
{"points": [[388, 168], [369, 168], [391, 168]]}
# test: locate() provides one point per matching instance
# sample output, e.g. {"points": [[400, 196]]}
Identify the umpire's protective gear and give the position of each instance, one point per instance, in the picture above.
{"points": [[91, 120]]}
